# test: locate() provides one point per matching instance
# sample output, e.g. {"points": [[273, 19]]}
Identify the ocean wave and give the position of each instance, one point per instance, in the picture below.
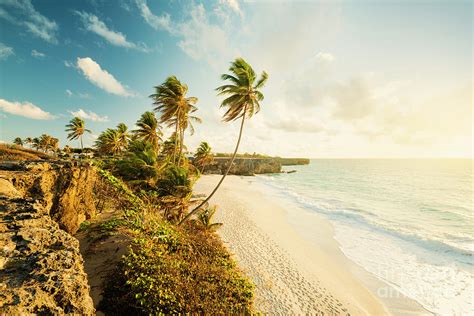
{"points": [[460, 251]]}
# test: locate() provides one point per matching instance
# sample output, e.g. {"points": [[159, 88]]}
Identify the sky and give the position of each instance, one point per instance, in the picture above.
{"points": [[347, 79]]}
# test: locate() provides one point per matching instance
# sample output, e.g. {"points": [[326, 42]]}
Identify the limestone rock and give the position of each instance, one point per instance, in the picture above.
{"points": [[7, 189]]}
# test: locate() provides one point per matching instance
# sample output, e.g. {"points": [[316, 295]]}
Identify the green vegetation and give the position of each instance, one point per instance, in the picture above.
{"points": [[205, 218], [169, 269], [245, 155], [178, 271], [148, 130], [15, 152], [174, 265]]}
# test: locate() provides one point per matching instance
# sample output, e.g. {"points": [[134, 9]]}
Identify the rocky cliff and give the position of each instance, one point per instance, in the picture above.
{"points": [[64, 189], [41, 269], [292, 161], [244, 166]]}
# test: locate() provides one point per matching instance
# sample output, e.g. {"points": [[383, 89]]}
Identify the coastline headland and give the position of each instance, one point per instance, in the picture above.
{"points": [[248, 166]]}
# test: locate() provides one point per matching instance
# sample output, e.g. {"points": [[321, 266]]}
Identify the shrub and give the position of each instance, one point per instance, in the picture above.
{"points": [[174, 182], [171, 271]]}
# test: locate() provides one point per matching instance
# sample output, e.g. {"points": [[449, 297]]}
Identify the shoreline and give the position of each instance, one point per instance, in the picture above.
{"points": [[293, 273]]}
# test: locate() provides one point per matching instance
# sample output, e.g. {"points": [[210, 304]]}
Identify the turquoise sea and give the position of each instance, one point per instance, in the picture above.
{"points": [[410, 222]]}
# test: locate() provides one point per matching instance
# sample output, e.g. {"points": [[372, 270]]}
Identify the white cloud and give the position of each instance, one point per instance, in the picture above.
{"points": [[37, 54], [93, 24], [22, 12], [5, 51], [233, 4], [26, 109], [162, 22], [199, 37], [89, 115], [101, 78], [69, 64], [69, 92]]}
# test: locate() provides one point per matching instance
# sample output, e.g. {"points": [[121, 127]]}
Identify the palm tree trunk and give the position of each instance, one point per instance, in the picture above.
{"points": [[82, 146], [181, 141], [223, 177], [175, 143]]}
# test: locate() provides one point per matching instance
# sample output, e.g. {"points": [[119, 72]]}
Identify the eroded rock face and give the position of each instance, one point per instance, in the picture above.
{"points": [[41, 269], [64, 189]]}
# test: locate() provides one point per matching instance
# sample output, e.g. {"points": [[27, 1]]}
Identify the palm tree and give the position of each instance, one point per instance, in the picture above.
{"points": [[28, 141], [18, 141], [149, 129], [76, 129], [168, 148], [54, 144], [186, 122], [243, 100], [36, 143], [171, 101], [109, 142], [45, 142], [203, 156], [123, 136]]}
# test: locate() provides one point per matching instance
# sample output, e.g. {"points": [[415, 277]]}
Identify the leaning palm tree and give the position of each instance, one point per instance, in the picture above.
{"points": [[18, 141], [203, 156], [171, 101], [76, 129], [149, 129], [243, 100]]}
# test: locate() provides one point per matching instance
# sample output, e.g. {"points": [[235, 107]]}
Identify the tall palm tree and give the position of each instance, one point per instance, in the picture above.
{"points": [[186, 122], [149, 129], [243, 100], [76, 129], [171, 101], [203, 156], [18, 141]]}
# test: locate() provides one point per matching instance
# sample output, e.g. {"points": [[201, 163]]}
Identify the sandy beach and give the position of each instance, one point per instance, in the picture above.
{"points": [[291, 274]]}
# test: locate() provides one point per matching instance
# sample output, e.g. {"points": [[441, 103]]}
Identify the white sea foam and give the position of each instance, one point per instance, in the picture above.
{"points": [[419, 243]]}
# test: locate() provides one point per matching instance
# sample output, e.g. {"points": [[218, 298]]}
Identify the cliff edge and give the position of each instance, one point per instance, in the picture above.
{"points": [[41, 269]]}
